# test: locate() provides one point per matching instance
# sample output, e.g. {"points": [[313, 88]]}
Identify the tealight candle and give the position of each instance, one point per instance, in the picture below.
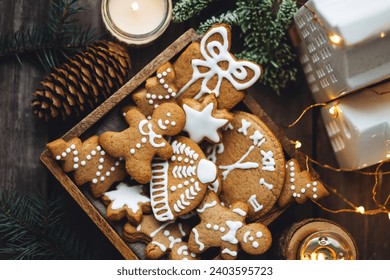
{"points": [[136, 22]]}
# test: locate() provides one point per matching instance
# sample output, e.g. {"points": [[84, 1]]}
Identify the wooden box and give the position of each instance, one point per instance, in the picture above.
{"points": [[109, 109]]}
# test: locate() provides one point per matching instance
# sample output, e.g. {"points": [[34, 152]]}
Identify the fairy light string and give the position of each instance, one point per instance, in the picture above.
{"points": [[382, 208]]}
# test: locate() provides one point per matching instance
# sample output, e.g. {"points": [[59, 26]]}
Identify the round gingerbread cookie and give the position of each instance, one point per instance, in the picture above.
{"points": [[250, 163]]}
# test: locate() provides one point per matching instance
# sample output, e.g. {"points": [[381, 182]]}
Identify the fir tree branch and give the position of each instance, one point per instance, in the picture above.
{"points": [[51, 41], [230, 17], [186, 9], [33, 228]]}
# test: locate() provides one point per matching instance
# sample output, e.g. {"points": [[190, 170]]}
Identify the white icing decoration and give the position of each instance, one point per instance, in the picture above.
{"points": [[239, 212], [213, 53], [230, 236], [230, 252], [245, 238], [180, 226], [214, 186], [201, 124], [239, 164], [152, 135], [154, 233], [259, 234], [206, 206], [264, 183], [244, 127], [182, 249], [125, 195], [255, 204], [161, 125], [268, 161], [255, 244], [161, 246], [207, 171], [258, 138], [213, 150], [197, 241]]}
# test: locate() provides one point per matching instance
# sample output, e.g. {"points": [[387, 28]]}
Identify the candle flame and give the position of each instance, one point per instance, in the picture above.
{"points": [[134, 6], [360, 210], [335, 39]]}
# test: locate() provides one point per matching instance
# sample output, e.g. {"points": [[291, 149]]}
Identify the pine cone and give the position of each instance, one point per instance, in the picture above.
{"points": [[82, 82]]}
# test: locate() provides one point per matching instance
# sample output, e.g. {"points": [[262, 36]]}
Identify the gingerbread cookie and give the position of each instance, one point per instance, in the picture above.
{"points": [[161, 238], [89, 163], [299, 186], [204, 120], [214, 69], [226, 229], [250, 161], [127, 201], [143, 140], [158, 90], [179, 184]]}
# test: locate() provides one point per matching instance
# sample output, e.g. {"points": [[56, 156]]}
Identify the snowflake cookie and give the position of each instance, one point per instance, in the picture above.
{"points": [[161, 238], [250, 162], [89, 163], [158, 90], [226, 229], [299, 186], [214, 69], [179, 184], [143, 140], [126, 201], [204, 120]]}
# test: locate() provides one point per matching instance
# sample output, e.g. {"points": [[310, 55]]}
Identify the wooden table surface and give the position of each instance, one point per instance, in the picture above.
{"points": [[24, 136]]}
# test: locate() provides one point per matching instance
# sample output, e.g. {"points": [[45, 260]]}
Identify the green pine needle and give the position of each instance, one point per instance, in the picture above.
{"points": [[52, 40], [34, 228], [186, 9]]}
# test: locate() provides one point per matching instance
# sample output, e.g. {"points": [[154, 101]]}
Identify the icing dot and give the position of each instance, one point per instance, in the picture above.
{"points": [[292, 174], [166, 86], [167, 97], [179, 158], [101, 160], [185, 253], [155, 106], [307, 185], [315, 196], [117, 163], [93, 152], [76, 159], [166, 232], [173, 94], [73, 146], [222, 229], [255, 244], [102, 178], [186, 183], [173, 123], [294, 195], [192, 162], [162, 81], [148, 95], [215, 227], [292, 168], [98, 148], [170, 90], [138, 145], [169, 114], [68, 150], [149, 117], [94, 181], [291, 163], [173, 158], [314, 189], [89, 157], [292, 187], [75, 153], [186, 160], [132, 151], [292, 180], [154, 96], [208, 225], [192, 180], [159, 76], [58, 157], [303, 190], [102, 153], [98, 173], [108, 173], [179, 186], [193, 255], [173, 188], [83, 163], [63, 154], [75, 166], [166, 121], [251, 238], [314, 183], [150, 101], [259, 234], [168, 70], [298, 195], [112, 169], [100, 167], [143, 140], [164, 73]]}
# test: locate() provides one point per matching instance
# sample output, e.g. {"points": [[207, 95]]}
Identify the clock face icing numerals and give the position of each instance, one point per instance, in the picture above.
{"points": [[250, 161]]}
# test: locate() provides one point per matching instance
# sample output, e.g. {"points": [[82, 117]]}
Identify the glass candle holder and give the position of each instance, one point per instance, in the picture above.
{"points": [[136, 22]]}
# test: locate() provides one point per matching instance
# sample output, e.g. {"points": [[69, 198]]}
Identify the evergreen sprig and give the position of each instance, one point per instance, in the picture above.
{"points": [[51, 41], [263, 25], [35, 228]]}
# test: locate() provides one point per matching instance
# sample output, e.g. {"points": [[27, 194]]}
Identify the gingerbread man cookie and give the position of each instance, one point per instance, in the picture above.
{"points": [[158, 90], [300, 185], [204, 120], [179, 184], [250, 161], [226, 229], [143, 140], [127, 201], [214, 70], [89, 163], [161, 238]]}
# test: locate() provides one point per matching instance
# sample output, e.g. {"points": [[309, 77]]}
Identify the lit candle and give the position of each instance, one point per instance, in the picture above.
{"points": [[136, 22]]}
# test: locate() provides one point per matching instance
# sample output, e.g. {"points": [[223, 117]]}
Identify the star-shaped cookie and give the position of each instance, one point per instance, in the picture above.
{"points": [[204, 120]]}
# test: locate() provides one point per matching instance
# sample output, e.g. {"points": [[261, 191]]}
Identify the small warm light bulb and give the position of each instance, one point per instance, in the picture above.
{"points": [[333, 111], [335, 39], [388, 155], [382, 34], [360, 210], [298, 144], [388, 214], [134, 6]]}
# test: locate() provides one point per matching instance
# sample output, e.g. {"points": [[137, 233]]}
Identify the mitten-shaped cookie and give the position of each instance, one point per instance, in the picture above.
{"points": [[159, 89], [126, 201], [144, 140], [89, 163], [161, 238], [179, 184], [299, 185], [226, 229]]}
